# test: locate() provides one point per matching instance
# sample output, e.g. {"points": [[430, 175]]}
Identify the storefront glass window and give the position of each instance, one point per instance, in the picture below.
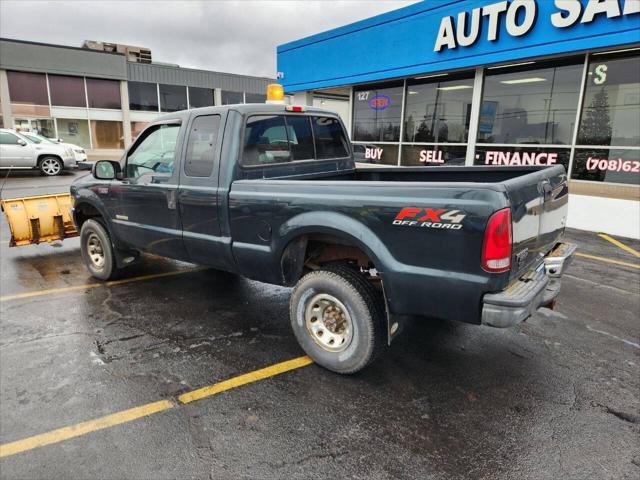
{"points": [[67, 91], [618, 165], [384, 154], [137, 128], [255, 98], [107, 134], [231, 98], [530, 104], [376, 113], [433, 155], [29, 88], [103, 93], [74, 131], [610, 112], [41, 126], [438, 111], [143, 96], [173, 98], [522, 156], [200, 97]]}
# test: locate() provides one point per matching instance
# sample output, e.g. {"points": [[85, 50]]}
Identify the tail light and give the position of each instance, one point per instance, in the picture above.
{"points": [[496, 248]]}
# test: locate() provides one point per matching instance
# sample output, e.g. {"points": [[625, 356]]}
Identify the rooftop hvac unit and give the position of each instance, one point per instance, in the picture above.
{"points": [[132, 53]]}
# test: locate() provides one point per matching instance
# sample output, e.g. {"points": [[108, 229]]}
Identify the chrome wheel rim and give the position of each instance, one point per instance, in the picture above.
{"points": [[95, 250], [328, 322], [50, 166]]}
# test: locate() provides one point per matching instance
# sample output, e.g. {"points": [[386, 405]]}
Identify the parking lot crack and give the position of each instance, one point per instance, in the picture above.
{"points": [[303, 460], [124, 339], [43, 337]]}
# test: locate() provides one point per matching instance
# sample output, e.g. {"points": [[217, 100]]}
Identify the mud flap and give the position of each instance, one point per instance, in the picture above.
{"points": [[394, 322]]}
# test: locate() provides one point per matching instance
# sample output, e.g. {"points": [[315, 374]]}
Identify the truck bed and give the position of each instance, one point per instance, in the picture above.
{"points": [[363, 203]]}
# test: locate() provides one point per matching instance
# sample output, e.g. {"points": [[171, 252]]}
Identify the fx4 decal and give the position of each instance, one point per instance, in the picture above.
{"points": [[430, 218]]}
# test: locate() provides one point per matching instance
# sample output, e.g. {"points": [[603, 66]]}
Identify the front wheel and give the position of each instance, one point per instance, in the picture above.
{"points": [[338, 318], [51, 166], [97, 251]]}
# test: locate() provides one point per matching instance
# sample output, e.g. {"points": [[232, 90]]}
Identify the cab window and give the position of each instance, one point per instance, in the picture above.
{"points": [[277, 139], [201, 146], [154, 153], [329, 138], [266, 140]]}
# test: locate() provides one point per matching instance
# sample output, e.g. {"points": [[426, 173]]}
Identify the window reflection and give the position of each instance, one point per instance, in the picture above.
{"points": [[67, 91], [607, 165], [103, 93], [173, 98], [438, 111], [255, 98], [28, 88], [200, 97], [530, 105], [143, 96], [377, 113], [74, 131], [231, 98], [610, 112]]}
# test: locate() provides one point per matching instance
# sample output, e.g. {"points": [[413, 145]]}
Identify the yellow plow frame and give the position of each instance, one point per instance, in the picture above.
{"points": [[44, 218]]}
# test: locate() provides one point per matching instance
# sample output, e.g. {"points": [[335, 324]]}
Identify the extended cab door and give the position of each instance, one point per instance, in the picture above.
{"points": [[147, 216], [199, 196]]}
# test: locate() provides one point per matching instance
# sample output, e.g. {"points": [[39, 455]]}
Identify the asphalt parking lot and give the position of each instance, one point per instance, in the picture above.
{"points": [[96, 380]]}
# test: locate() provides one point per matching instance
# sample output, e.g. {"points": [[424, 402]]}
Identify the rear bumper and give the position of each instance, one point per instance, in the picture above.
{"points": [[530, 292]]}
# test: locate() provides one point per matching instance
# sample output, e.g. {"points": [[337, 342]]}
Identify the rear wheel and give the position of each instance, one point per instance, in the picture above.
{"points": [[51, 166], [338, 318], [97, 251]]}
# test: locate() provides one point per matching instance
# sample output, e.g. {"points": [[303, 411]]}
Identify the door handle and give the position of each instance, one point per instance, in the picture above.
{"points": [[545, 188], [171, 199]]}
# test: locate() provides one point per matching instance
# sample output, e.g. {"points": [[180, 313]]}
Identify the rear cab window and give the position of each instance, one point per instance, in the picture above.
{"points": [[201, 146], [278, 139]]}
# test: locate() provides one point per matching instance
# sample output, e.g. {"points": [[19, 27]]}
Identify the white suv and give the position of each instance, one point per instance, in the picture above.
{"points": [[78, 152], [18, 152]]}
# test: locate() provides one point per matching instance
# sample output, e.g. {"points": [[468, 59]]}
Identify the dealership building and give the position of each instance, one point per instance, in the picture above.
{"points": [[482, 82], [102, 95]]}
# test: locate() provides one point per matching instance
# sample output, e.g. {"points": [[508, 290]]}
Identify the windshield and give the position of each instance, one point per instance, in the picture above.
{"points": [[35, 138], [29, 138]]}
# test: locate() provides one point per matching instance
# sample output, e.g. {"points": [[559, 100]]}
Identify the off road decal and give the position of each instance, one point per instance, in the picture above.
{"points": [[430, 218]]}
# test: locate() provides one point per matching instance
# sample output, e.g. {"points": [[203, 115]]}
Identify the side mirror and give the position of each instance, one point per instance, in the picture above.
{"points": [[106, 170], [21, 142]]}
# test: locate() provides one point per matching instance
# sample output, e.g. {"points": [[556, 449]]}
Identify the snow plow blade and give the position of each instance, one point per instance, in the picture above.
{"points": [[34, 220]]}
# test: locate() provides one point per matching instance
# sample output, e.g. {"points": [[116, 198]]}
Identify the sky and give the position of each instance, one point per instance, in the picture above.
{"points": [[228, 36]]}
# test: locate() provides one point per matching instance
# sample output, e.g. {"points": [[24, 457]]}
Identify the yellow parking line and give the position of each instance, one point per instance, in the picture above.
{"points": [[619, 244], [607, 260], [83, 428], [125, 416], [250, 377], [52, 291]]}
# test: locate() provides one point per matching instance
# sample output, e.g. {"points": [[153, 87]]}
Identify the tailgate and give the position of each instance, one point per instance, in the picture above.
{"points": [[539, 202]]}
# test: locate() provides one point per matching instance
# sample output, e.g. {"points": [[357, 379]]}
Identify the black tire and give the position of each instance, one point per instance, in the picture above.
{"points": [[93, 239], [364, 305], [51, 166]]}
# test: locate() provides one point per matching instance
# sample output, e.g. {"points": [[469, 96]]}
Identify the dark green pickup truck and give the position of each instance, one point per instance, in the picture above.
{"points": [[271, 192]]}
